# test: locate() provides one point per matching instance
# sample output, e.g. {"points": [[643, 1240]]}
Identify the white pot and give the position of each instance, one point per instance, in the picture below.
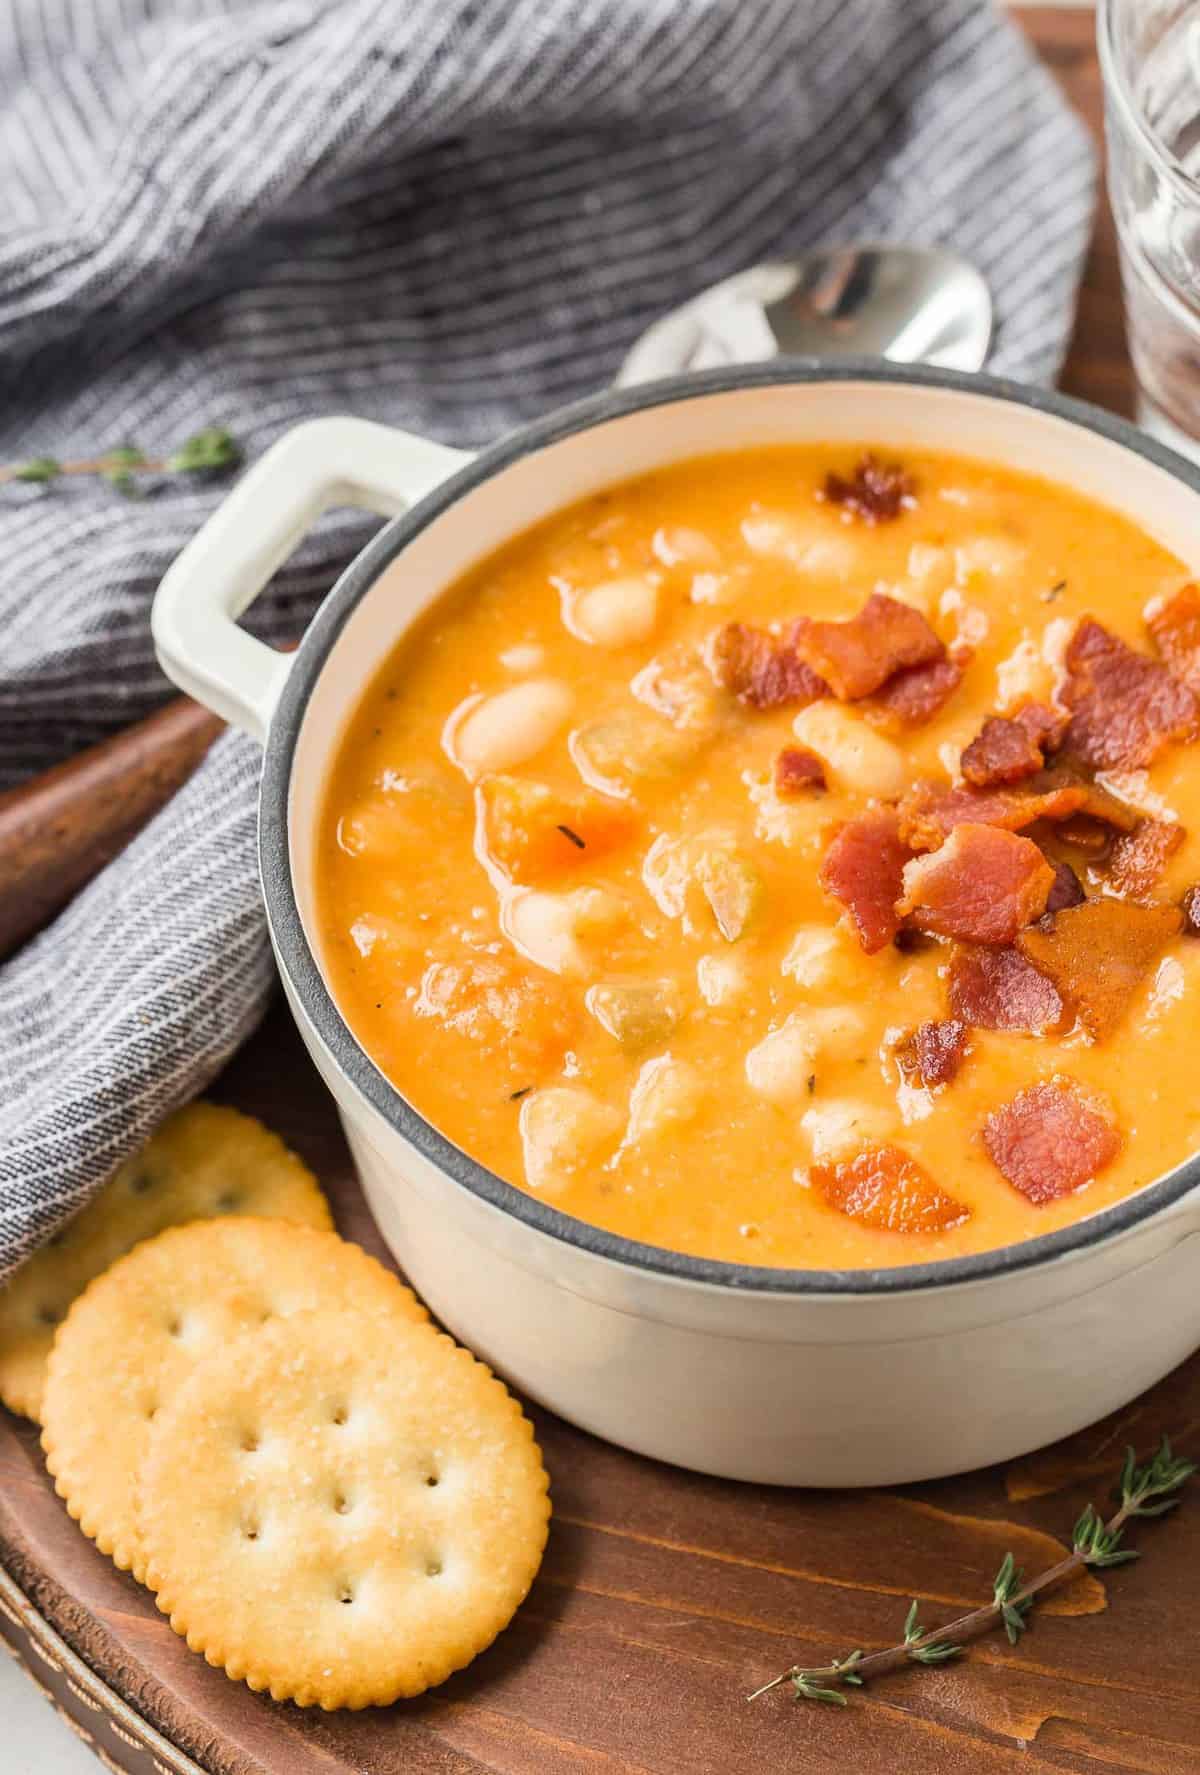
{"points": [[801, 1377]]}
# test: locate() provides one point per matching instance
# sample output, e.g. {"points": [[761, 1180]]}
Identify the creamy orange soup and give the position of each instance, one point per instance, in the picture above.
{"points": [[577, 912]]}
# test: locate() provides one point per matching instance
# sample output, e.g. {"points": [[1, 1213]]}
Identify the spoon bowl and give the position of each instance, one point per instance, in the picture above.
{"points": [[910, 304]]}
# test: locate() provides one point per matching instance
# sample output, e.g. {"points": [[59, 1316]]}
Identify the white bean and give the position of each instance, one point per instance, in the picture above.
{"points": [[858, 758], [501, 731], [617, 613], [563, 1127], [547, 928]]}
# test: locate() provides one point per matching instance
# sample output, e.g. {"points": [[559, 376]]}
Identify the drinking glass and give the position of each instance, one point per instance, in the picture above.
{"points": [[1150, 62]]}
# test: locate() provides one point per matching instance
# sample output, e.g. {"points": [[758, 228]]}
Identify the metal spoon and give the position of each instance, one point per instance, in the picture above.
{"points": [[911, 304]]}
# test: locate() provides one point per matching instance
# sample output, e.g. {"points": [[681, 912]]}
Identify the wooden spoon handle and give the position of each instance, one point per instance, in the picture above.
{"points": [[60, 829]]}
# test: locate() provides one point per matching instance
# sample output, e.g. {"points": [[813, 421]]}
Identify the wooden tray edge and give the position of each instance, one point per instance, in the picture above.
{"points": [[112, 1731]]}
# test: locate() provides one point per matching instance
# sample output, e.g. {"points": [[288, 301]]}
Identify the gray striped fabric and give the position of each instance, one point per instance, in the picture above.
{"points": [[451, 214]]}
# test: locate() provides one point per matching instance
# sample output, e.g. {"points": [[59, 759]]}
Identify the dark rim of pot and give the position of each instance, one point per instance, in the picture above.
{"points": [[297, 958]]}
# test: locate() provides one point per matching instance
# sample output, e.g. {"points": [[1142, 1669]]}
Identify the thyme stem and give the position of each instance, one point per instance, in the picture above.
{"points": [[212, 448], [1095, 1542]]}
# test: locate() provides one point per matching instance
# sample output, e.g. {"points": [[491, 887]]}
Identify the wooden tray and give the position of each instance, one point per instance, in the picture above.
{"points": [[664, 1596]]}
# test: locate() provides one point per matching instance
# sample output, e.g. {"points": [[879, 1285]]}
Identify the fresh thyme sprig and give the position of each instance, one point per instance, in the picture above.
{"points": [[205, 451], [1143, 1491]]}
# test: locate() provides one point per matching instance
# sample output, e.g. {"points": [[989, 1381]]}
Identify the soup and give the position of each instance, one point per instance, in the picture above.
{"points": [[785, 858]]}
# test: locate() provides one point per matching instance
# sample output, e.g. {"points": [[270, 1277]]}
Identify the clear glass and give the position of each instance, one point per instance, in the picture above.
{"points": [[1150, 60]]}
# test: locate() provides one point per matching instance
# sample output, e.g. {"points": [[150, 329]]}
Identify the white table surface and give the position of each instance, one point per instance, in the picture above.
{"points": [[35, 1740]]}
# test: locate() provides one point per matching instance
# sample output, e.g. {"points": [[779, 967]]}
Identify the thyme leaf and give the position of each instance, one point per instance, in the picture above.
{"points": [[1145, 1490], [207, 451]]}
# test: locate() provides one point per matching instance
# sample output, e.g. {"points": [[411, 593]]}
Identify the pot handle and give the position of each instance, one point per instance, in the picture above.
{"points": [[318, 465]]}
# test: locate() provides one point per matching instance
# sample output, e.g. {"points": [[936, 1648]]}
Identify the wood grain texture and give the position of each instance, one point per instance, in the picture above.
{"points": [[59, 831], [666, 1596]]}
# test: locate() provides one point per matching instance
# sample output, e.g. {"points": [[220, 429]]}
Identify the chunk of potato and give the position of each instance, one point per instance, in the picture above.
{"points": [[615, 613], [680, 686], [808, 543], [1025, 676], [403, 808], [780, 1066], [677, 545], [856, 757], [667, 1092], [563, 1129], [818, 956], [682, 874], [495, 733], [722, 979], [639, 1014], [844, 1125], [620, 751], [999, 556]]}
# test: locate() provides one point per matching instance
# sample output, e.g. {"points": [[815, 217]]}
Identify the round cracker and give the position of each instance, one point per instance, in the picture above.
{"points": [[339, 1513], [134, 1336], [205, 1161]]}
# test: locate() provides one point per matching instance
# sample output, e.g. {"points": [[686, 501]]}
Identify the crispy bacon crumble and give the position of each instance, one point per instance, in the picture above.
{"points": [[877, 492], [1139, 858], [857, 656], [999, 989], [1008, 748], [916, 694], [864, 869], [762, 670], [933, 1052], [1125, 707], [799, 771], [1175, 626], [1051, 1139], [983, 886], [1098, 954], [885, 1188]]}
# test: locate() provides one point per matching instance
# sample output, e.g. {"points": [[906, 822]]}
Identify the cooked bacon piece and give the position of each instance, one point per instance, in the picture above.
{"points": [[1190, 908], [1139, 857], [1098, 954], [933, 1052], [876, 492], [999, 989], [864, 869], [1067, 889], [1007, 748], [1051, 1139], [1176, 628], [1084, 832], [1125, 707], [884, 1188], [856, 656], [798, 770], [983, 886], [930, 811], [1099, 803], [761, 669], [915, 695]]}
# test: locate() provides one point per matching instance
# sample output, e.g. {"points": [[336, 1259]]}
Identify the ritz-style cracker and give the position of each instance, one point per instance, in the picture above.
{"points": [[341, 1511], [206, 1161], [135, 1335]]}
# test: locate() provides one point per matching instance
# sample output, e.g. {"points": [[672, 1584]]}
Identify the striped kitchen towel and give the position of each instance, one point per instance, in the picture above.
{"points": [[448, 214]]}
